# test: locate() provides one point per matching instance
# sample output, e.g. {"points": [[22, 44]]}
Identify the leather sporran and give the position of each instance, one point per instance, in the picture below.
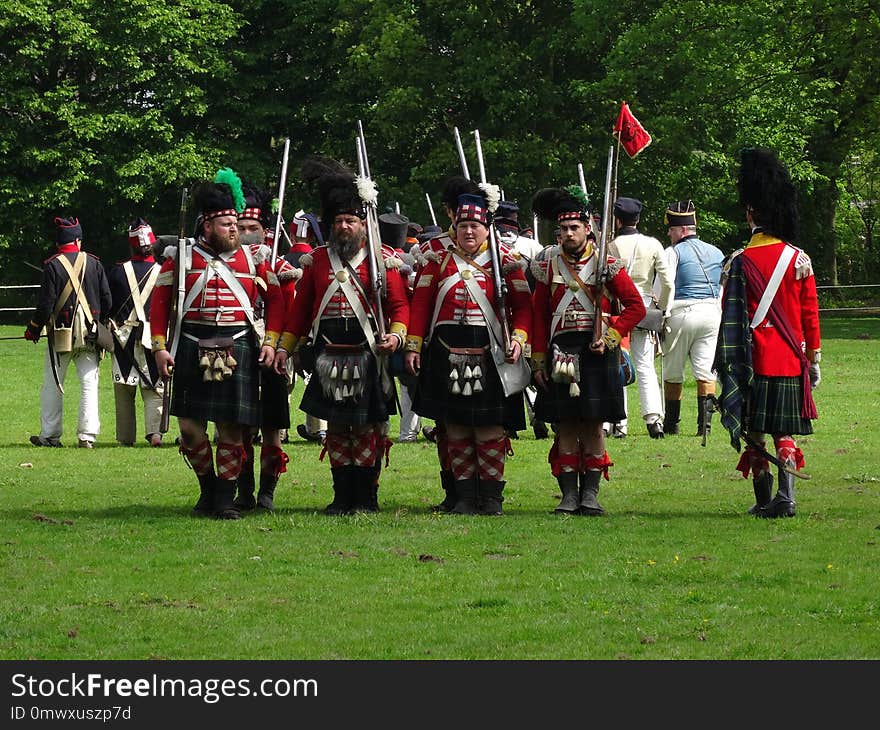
{"points": [[216, 358], [565, 368], [467, 371], [342, 371]]}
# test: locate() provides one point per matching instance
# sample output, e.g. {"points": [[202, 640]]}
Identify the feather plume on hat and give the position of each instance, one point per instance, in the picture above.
{"points": [[227, 176]]}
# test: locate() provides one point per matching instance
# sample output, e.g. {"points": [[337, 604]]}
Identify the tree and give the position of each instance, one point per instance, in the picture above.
{"points": [[103, 113]]}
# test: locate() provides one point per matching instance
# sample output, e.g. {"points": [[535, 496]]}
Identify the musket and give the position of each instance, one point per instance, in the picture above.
{"points": [[374, 259], [461, 157], [176, 315], [281, 186], [495, 254], [603, 241], [431, 209]]}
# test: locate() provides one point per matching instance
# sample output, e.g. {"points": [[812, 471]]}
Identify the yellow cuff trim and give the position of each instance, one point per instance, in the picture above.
{"points": [[288, 341], [398, 328], [413, 344], [539, 359], [520, 336], [612, 338], [157, 342], [271, 339]]}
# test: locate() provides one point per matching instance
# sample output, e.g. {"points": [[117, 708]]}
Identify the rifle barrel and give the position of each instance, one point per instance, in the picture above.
{"points": [[281, 186], [461, 157]]}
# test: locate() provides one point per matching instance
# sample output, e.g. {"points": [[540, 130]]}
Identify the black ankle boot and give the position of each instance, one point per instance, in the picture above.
{"points": [[447, 481], [672, 417], [343, 491], [782, 505], [490, 497], [205, 506], [244, 501], [224, 493], [568, 483], [465, 497], [589, 492], [364, 478], [266, 495], [763, 486]]}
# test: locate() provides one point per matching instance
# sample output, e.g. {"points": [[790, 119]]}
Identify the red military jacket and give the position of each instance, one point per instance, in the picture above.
{"points": [[317, 276], [215, 303], [552, 284], [442, 278], [771, 356]]}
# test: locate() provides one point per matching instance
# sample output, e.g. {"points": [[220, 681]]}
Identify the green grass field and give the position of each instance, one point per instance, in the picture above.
{"points": [[101, 561]]}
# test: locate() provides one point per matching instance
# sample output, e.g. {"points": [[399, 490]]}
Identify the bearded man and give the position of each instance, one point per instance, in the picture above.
{"points": [[334, 318], [578, 374], [216, 351]]}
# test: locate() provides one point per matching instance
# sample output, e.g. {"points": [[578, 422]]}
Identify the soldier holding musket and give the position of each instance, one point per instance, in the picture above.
{"points": [[335, 331], [215, 350], [577, 369], [454, 312]]}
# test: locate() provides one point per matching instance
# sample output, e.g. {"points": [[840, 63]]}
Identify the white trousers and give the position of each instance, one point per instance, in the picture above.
{"points": [[52, 401], [641, 350], [693, 334], [124, 395], [410, 422]]}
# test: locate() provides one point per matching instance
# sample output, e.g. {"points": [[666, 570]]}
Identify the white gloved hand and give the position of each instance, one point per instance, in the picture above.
{"points": [[815, 375]]}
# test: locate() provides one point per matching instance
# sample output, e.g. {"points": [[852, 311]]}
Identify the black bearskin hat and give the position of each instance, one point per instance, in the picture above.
{"points": [[456, 186], [221, 197], [556, 204], [766, 189], [336, 187], [257, 204]]}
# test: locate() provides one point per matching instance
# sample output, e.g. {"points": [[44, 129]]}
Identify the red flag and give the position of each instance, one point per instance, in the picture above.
{"points": [[632, 135]]}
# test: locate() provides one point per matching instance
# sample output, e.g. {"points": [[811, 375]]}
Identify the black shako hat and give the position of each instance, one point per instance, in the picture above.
{"points": [[682, 213], [68, 230], [393, 228], [766, 190], [628, 210]]}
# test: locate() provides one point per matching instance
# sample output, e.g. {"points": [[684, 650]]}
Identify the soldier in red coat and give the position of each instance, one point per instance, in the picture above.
{"points": [[769, 343], [253, 223], [579, 379], [453, 312], [433, 248], [216, 352], [334, 320]]}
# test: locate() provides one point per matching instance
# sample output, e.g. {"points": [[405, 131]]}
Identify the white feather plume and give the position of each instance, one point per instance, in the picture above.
{"points": [[367, 190], [493, 195]]}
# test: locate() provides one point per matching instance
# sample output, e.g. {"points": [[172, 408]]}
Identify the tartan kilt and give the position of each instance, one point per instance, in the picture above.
{"points": [[433, 400], [372, 406], [236, 400], [775, 406], [601, 386], [273, 400]]}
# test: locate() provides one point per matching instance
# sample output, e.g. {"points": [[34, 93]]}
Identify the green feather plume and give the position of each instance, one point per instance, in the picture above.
{"points": [[227, 175], [577, 192]]}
